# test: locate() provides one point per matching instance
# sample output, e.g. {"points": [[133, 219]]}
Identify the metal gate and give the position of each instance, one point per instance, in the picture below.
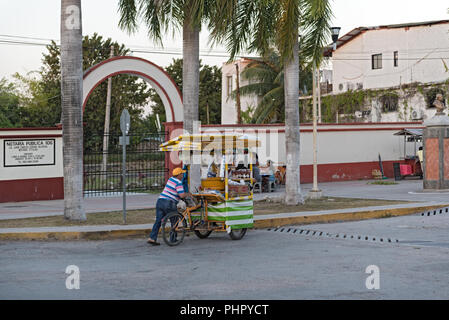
{"points": [[145, 164]]}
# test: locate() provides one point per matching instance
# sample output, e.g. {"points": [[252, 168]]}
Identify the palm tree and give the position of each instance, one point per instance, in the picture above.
{"points": [[258, 24], [71, 93], [266, 80], [160, 16]]}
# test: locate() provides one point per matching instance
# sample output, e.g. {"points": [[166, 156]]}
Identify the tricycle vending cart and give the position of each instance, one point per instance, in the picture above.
{"points": [[225, 201]]}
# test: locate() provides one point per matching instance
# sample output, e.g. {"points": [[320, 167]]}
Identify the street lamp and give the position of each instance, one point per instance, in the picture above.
{"points": [[316, 193], [335, 32]]}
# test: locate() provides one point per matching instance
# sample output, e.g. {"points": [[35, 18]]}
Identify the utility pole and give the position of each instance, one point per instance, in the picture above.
{"points": [[239, 108], [104, 166], [319, 95], [207, 112], [315, 193]]}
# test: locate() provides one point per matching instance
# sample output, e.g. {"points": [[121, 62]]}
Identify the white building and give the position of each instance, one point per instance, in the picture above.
{"points": [[391, 56], [229, 84], [405, 64]]}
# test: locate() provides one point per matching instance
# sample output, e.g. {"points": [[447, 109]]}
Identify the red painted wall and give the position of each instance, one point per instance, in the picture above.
{"points": [[32, 189], [346, 171]]}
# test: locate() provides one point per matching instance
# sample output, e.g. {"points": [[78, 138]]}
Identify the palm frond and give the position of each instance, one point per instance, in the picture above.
{"points": [[271, 103], [151, 13], [287, 28], [315, 25], [264, 26], [128, 15], [259, 73], [258, 89]]}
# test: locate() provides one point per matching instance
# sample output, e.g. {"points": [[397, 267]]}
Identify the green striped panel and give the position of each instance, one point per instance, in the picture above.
{"points": [[229, 209], [242, 226], [236, 213]]}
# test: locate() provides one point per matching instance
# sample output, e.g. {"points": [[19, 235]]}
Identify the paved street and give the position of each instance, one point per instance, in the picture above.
{"points": [[325, 261]]}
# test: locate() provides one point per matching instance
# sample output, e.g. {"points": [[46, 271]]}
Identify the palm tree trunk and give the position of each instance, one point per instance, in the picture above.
{"points": [[72, 118], [291, 88], [190, 90]]}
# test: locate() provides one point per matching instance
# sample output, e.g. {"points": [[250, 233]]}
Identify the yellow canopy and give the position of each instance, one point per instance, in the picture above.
{"points": [[200, 142], [181, 146]]}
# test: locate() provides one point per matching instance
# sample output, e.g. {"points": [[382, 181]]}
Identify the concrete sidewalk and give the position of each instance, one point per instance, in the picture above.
{"points": [[406, 190]]}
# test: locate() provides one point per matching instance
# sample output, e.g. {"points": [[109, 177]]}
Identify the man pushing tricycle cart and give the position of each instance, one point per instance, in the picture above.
{"points": [[225, 200]]}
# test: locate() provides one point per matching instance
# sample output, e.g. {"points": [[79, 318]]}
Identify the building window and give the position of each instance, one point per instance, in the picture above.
{"points": [[376, 61], [395, 58], [229, 85]]}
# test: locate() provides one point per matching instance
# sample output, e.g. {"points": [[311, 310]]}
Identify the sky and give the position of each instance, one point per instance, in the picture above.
{"points": [[31, 19]]}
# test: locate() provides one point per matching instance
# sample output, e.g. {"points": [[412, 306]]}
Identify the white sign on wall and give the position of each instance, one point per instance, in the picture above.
{"points": [[29, 152]]}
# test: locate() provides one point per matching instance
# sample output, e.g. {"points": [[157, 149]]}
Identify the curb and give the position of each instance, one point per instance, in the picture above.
{"points": [[259, 223], [340, 217], [75, 235]]}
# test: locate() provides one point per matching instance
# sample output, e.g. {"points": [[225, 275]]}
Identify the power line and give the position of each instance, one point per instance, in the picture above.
{"points": [[217, 53], [180, 53], [131, 49], [23, 37], [12, 42], [159, 51]]}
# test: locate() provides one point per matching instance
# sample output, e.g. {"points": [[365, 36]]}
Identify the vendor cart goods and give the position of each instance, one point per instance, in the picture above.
{"points": [[225, 202]]}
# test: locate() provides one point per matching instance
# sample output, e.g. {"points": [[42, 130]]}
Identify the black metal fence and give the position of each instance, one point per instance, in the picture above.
{"points": [[145, 164]]}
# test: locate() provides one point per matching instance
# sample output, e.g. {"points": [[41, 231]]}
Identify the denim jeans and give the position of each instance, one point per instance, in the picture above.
{"points": [[163, 207]]}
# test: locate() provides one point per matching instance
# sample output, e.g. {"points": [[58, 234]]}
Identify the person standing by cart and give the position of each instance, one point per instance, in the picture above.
{"points": [[167, 202]]}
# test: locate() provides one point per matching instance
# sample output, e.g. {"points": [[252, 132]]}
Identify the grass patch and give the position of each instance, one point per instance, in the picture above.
{"points": [[325, 203], [101, 218], [145, 216], [382, 182]]}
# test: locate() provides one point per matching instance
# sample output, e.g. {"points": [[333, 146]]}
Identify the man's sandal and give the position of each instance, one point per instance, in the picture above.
{"points": [[152, 242]]}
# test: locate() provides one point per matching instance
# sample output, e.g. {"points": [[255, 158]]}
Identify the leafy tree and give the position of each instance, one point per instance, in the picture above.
{"points": [[209, 92], [10, 111], [43, 106], [38, 104], [210, 95]]}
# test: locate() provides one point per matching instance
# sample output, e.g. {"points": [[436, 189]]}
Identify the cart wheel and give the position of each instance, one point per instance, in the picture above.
{"points": [[202, 234], [237, 234], [174, 227]]}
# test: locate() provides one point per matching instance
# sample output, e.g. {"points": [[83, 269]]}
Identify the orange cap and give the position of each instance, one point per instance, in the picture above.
{"points": [[178, 171]]}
